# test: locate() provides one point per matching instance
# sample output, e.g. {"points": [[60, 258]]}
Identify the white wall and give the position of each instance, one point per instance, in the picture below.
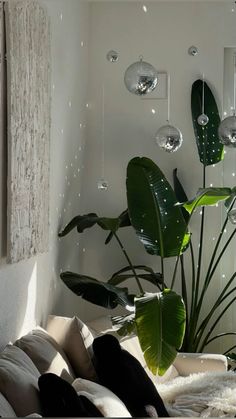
{"points": [[30, 289], [163, 36], [82, 34]]}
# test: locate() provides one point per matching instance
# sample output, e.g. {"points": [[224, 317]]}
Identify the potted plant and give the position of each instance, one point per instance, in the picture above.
{"points": [[164, 321]]}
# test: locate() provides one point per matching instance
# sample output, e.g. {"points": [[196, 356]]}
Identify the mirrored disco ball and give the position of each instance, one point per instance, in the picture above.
{"points": [[141, 78], [227, 131], [169, 138], [232, 216], [203, 120]]}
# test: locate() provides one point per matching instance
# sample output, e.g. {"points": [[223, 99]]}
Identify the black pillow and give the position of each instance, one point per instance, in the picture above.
{"points": [[123, 374], [59, 399]]}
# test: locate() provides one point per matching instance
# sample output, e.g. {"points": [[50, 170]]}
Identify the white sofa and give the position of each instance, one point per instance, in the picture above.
{"points": [[66, 350]]}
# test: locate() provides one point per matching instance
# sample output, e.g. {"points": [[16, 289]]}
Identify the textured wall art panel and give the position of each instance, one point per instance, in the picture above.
{"points": [[28, 81]]}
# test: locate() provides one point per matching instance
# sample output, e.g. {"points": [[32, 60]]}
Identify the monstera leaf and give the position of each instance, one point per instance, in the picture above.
{"points": [[160, 324], [210, 150], [153, 213]]}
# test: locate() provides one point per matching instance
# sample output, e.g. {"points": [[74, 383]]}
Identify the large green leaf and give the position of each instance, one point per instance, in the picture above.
{"points": [[207, 196], [123, 221], [97, 292], [210, 150], [160, 322], [180, 194], [126, 324], [158, 222], [81, 222], [126, 273]]}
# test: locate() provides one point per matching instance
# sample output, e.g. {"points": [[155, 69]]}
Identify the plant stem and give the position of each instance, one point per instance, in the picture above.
{"points": [[219, 300], [185, 296], [220, 256], [129, 262], [219, 336], [215, 324], [193, 280], [230, 349], [205, 322], [200, 244], [174, 274], [162, 272]]}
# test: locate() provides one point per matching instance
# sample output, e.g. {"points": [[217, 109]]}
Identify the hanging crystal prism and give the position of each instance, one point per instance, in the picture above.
{"points": [[203, 118], [102, 184], [168, 137], [227, 127]]}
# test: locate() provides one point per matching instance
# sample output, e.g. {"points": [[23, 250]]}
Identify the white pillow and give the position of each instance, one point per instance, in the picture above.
{"points": [[46, 354], [19, 381], [76, 340], [106, 401], [6, 411]]}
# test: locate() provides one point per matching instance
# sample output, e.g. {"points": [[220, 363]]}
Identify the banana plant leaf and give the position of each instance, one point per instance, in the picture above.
{"points": [[180, 194], [206, 197], [210, 150], [160, 322], [124, 221], [126, 324], [158, 222], [126, 273], [97, 292], [81, 222]]}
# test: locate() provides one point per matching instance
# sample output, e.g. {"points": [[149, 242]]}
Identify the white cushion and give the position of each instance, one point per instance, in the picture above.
{"points": [[76, 340], [106, 401], [19, 381], [6, 411], [46, 354]]}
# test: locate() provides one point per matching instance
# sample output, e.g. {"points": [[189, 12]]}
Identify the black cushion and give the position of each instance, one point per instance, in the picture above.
{"points": [[59, 399], [123, 374]]}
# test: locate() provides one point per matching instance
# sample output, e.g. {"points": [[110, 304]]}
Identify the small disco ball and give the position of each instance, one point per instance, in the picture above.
{"points": [[227, 131], [141, 78], [232, 216], [203, 120], [169, 138]]}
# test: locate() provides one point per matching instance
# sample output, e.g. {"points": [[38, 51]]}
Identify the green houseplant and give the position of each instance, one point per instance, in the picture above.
{"points": [[164, 321]]}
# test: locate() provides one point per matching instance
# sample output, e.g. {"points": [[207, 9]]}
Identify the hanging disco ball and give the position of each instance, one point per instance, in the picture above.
{"points": [[227, 131], [169, 138], [141, 78], [203, 120]]}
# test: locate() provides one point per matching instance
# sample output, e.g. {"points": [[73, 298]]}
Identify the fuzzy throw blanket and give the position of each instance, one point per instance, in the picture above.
{"points": [[209, 394]]}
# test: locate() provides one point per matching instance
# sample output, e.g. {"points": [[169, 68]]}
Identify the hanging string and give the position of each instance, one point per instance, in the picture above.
{"points": [[168, 99], [103, 132], [203, 93], [234, 111]]}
